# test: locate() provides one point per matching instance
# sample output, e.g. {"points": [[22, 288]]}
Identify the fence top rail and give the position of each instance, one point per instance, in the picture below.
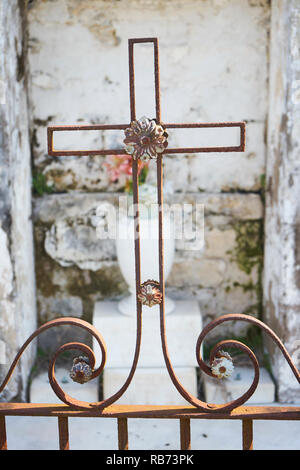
{"points": [[157, 411]]}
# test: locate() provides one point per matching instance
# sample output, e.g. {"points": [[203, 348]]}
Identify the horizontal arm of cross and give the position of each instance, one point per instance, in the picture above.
{"points": [[102, 127]]}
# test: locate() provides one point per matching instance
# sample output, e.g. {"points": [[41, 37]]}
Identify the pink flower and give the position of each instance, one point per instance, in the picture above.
{"points": [[118, 165]]}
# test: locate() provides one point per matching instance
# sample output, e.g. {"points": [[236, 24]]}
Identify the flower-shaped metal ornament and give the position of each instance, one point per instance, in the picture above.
{"points": [[150, 294], [145, 139], [81, 371], [222, 365]]}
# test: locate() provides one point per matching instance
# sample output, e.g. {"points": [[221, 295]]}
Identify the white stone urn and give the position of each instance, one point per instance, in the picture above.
{"points": [[148, 222]]}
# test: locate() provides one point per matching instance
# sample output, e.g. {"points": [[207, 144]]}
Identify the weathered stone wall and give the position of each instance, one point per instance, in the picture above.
{"points": [[17, 283], [281, 282], [214, 67]]}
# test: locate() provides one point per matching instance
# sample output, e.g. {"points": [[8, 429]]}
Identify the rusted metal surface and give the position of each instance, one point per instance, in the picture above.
{"points": [[149, 293], [63, 432], [270, 413], [3, 439], [84, 349], [221, 345], [207, 407], [185, 434], [144, 139], [247, 434], [123, 433], [99, 127], [84, 367], [60, 153]]}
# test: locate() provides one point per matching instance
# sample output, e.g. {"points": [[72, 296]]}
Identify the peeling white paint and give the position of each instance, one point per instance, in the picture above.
{"points": [[17, 283], [281, 283], [6, 271]]}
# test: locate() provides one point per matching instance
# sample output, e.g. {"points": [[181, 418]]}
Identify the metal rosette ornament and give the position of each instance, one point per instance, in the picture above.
{"points": [[81, 371], [145, 139], [149, 293], [222, 365]]}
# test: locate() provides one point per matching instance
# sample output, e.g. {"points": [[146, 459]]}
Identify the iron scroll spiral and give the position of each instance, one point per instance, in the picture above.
{"points": [[200, 405], [78, 404], [227, 407]]}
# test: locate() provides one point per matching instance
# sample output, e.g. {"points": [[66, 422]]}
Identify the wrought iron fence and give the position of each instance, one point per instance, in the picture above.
{"points": [[147, 139]]}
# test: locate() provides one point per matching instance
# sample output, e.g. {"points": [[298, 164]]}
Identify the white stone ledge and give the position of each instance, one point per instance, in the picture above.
{"points": [[150, 386], [183, 327]]}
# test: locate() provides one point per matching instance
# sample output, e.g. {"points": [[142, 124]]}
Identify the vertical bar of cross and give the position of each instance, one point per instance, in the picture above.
{"points": [[131, 80], [160, 226], [247, 434], [159, 183], [157, 80], [3, 439], [131, 43], [137, 248], [160, 201]]}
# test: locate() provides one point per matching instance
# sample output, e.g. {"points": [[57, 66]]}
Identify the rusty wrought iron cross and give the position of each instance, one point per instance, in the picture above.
{"points": [[53, 152], [147, 139]]}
